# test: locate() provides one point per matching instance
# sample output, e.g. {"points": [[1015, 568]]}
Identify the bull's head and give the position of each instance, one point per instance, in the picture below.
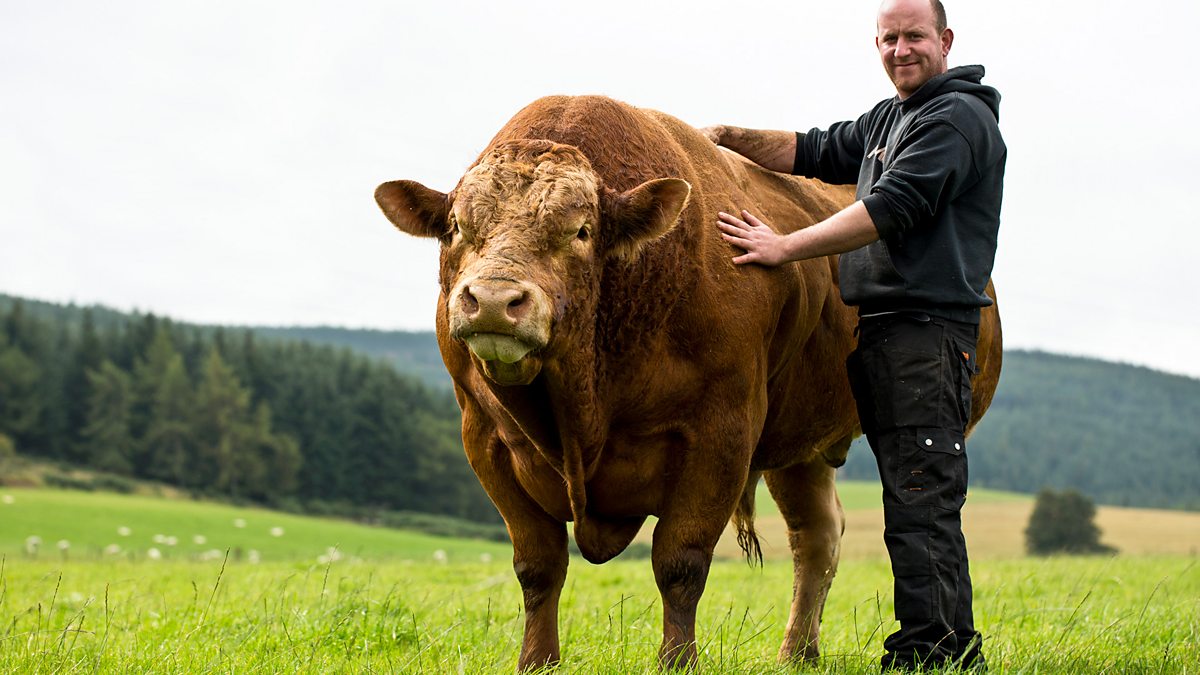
{"points": [[523, 239]]}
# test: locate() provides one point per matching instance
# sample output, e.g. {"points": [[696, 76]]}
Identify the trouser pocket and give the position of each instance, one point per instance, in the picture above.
{"points": [[962, 368], [913, 371]]}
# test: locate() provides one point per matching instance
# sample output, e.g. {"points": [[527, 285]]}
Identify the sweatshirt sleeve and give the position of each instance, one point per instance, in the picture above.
{"points": [[834, 155], [933, 165]]}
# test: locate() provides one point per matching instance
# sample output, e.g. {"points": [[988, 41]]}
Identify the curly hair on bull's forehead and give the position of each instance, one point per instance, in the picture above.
{"points": [[528, 176]]}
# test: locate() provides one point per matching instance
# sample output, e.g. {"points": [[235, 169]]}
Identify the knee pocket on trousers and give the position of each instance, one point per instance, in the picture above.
{"points": [[909, 553]]}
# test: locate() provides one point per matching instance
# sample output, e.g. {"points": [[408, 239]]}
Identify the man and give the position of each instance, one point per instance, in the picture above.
{"points": [[918, 247]]}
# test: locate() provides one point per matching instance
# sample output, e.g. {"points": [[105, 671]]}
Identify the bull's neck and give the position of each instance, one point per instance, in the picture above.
{"points": [[560, 413]]}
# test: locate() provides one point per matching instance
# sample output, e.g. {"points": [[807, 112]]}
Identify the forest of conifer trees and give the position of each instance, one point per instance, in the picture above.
{"points": [[225, 414]]}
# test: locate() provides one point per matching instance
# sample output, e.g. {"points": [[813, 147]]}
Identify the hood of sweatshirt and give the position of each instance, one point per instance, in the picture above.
{"points": [[964, 79]]}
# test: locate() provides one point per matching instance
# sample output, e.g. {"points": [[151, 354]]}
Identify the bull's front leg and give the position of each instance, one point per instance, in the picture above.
{"points": [[539, 540], [682, 554], [681, 571], [540, 562]]}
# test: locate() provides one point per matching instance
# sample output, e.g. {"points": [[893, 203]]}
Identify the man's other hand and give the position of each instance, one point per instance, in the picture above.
{"points": [[713, 133], [761, 244]]}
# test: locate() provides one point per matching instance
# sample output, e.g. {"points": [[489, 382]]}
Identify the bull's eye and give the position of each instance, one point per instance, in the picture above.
{"points": [[584, 233], [461, 229]]}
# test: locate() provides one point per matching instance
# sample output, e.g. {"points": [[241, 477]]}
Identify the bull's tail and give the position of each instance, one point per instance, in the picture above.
{"points": [[743, 521]]}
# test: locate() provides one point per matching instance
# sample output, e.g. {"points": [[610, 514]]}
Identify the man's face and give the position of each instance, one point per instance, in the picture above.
{"points": [[909, 44]]}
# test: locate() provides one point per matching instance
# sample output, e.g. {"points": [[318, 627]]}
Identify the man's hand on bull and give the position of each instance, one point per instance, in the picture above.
{"points": [[845, 230], [762, 244], [770, 149], [712, 133]]}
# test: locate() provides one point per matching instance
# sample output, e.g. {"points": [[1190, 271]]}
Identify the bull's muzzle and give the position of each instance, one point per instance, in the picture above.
{"points": [[501, 321]]}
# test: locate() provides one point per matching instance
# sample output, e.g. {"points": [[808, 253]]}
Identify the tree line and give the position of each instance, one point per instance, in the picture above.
{"points": [[223, 412]]}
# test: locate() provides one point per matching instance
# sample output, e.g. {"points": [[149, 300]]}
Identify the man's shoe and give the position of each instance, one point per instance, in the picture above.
{"points": [[971, 661]]}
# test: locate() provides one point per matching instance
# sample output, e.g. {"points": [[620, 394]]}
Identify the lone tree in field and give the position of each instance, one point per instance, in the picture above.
{"points": [[8, 449], [1063, 522]]}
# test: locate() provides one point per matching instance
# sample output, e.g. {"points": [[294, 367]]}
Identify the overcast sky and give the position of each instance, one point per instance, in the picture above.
{"points": [[215, 161]]}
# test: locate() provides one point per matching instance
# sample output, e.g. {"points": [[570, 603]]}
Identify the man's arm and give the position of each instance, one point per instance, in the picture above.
{"points": [[774, 150], [846, 230]]}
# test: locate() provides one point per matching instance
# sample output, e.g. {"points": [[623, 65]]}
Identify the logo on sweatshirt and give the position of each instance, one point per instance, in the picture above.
{"points": [[879, 153]]}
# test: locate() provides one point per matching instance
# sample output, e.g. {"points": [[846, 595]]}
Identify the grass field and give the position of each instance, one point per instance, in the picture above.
{"points": [[1089, 615], [396, 602]]}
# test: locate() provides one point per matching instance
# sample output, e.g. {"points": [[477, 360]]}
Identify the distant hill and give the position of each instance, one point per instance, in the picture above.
{"points": [[413, 353], [1124, 435]]}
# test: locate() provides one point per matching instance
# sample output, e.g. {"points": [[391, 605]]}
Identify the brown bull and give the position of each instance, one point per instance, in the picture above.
{"points": [[612, 363]]}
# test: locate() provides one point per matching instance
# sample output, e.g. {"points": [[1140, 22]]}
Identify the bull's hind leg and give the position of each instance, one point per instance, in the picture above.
{"points": [[809, 504]]}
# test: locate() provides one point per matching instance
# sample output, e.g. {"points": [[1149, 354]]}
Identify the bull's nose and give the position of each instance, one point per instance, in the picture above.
{"points": [[499, 319], [484, 302]]}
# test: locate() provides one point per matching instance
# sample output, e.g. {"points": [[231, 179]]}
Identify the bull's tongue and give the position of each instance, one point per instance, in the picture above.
{"points": [[497, 347]]}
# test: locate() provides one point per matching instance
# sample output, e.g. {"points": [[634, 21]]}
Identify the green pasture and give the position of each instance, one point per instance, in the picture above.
{"points": [[92, 523], [1085, 615], [397, 602]]}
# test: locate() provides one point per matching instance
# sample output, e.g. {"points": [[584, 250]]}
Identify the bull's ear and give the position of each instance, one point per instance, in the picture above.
{"points": [[414, 208], [636, 217]]}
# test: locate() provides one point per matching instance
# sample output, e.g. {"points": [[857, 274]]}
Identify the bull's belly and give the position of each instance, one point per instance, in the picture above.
{"points": [[624, 490], [782, 449]]}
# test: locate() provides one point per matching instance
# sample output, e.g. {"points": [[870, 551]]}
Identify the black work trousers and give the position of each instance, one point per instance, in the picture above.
{"points": [[911, 376]]}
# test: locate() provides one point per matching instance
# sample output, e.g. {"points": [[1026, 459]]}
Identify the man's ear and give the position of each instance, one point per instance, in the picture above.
{"points": [[414, 208], [636, 217]]}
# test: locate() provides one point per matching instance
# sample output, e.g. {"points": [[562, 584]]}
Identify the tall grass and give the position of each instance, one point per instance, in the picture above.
{"points": [[1085, 615]]}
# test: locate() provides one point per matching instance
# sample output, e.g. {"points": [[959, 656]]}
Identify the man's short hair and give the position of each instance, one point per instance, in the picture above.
{"points": [[939, 13]]}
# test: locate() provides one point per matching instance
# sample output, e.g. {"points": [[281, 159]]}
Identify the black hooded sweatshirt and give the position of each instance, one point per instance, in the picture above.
{"points": [[930, 171]]}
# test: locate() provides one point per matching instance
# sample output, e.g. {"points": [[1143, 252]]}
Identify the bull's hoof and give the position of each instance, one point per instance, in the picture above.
{"points": [[678, 658], [807, 655], [529, 663]]}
